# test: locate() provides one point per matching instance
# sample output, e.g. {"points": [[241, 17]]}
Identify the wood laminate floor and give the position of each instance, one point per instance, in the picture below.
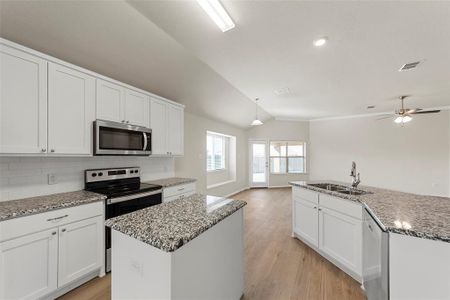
{"points": [[277, 266]]}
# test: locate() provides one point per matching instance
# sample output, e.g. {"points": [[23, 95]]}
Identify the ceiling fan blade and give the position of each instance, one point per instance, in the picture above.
{"points": [[384, 117], [426, 112], [411, 111]]}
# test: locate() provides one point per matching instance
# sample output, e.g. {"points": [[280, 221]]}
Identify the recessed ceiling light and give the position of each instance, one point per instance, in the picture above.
{"points": [[217, 13], [321, 41]]}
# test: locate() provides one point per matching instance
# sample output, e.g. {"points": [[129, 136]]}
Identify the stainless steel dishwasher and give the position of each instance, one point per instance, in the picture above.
{"points": [[375, 259]]}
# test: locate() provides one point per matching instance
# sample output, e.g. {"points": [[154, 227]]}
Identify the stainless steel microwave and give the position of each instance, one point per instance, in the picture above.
{"points": [[113, 138]]}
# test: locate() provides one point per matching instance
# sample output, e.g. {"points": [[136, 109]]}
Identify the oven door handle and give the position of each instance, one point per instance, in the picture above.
{"points": [[145, 141], [133, 196]]}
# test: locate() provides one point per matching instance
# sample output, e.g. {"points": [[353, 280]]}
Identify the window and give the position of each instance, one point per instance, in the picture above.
{"points": [[215, 151], [287, 157]]}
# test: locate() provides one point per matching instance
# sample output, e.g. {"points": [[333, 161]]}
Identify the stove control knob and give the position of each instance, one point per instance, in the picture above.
{"points": [[100, 174], [94, 174], [135, 171]]}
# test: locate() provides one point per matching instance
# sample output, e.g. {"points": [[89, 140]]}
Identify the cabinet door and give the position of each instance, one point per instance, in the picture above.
{"points": [[80, 246], [110, 101], [23, 102], [341, 238], [175, 132], [137, 108], [71, 110], [28, 265], [158, 121], [306, 221]]}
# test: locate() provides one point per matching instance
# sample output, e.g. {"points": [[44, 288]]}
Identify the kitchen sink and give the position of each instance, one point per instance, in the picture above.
{"points": [[328, 186], [353, 192], [342, 189]]}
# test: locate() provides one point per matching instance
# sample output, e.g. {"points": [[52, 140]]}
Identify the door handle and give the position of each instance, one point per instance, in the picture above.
{"points": [[145, 141], [57, 218]]}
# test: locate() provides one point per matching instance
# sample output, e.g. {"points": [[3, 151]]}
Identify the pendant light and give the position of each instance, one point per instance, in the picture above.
{"points": [[256, 121]]}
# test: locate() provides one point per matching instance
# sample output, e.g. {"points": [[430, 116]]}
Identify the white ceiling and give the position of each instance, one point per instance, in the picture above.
{"points": [[271, 48], [173, 49]]}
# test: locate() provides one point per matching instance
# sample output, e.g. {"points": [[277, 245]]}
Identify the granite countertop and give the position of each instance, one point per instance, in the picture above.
{"points": [[168, 226], [35, 205], [403, 213], [172, 181]]}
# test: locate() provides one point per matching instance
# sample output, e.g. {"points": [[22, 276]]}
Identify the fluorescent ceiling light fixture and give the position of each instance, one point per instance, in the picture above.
{"points": [[402, 119], [256, 121], [320, 42], [217, 13]]}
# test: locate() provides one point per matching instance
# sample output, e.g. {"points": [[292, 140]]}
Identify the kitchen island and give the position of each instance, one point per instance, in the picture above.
{"points": [[191, 248], [396, 243]]}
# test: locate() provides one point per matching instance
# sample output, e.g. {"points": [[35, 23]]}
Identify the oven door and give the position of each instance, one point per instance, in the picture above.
{"points": [[112, 138], [124, 205]]}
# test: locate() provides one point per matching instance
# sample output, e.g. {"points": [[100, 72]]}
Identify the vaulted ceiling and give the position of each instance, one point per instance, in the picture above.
{"points": [[172, 48]]}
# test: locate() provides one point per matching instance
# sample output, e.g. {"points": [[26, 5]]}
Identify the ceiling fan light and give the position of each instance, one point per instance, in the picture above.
{"points": [[406, 119], [256, 122], [403, 119]]}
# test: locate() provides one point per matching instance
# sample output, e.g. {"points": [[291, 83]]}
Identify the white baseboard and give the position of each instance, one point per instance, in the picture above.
{"points": [[237, 192], [279, 186]]}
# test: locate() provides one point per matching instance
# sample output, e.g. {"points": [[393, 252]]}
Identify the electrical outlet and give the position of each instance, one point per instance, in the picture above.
{"points": [[52, 179]]}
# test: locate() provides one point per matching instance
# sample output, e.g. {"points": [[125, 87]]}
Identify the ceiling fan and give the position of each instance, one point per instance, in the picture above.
{"points": [[404, 115]]}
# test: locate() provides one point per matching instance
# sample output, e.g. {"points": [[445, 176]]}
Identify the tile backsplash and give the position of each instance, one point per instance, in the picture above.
{"points": [[22, 177]]}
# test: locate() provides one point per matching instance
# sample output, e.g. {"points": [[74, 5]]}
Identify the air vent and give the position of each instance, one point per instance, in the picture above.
{"points": [[409, 66], [282, 91]]}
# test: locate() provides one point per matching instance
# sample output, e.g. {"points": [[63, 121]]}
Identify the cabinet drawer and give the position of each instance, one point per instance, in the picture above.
{"points": [[348, 207], [305, 194], [171, 198], [25, 225], [179, 189]]}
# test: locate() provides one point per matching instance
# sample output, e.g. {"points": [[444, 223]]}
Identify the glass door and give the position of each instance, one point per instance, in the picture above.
{"points": [[258, 164]]}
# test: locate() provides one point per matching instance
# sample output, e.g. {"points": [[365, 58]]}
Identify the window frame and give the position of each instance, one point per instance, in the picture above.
{"points": [[224, 150], [287, 156]]}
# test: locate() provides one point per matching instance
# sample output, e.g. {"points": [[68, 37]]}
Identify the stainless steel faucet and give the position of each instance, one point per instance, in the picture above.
{"points": [[355, 178]]}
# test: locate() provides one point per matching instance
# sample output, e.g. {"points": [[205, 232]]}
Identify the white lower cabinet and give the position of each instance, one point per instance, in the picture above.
{"points": [[178, 191], [340, 238], [79, 249], [40, 255], [28, 265], [305, 221], [332, 226]]}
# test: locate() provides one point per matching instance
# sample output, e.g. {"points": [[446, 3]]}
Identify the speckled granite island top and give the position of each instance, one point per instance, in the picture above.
{"points": [[35, 205], [172, 181], [404, 213], [168, 226]]}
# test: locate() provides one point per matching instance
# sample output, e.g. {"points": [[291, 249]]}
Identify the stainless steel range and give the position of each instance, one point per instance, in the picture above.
{"points": [[125, 193]]}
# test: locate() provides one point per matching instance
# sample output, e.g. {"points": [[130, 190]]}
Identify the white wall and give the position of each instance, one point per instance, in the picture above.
{"points": [[193, 164], [22, 177], [414, 158], [277, 130]]}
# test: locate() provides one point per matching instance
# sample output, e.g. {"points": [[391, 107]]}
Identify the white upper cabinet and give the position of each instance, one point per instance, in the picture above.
{"points": [[23, 102], [110, 101], [167, 124], [47, 107], [175, 126], [71, 110], [137, 108], [119, 104], [158, 121]]}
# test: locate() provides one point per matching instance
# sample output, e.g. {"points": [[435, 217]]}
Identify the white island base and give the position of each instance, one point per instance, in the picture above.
{"points": [[210, 266]]}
